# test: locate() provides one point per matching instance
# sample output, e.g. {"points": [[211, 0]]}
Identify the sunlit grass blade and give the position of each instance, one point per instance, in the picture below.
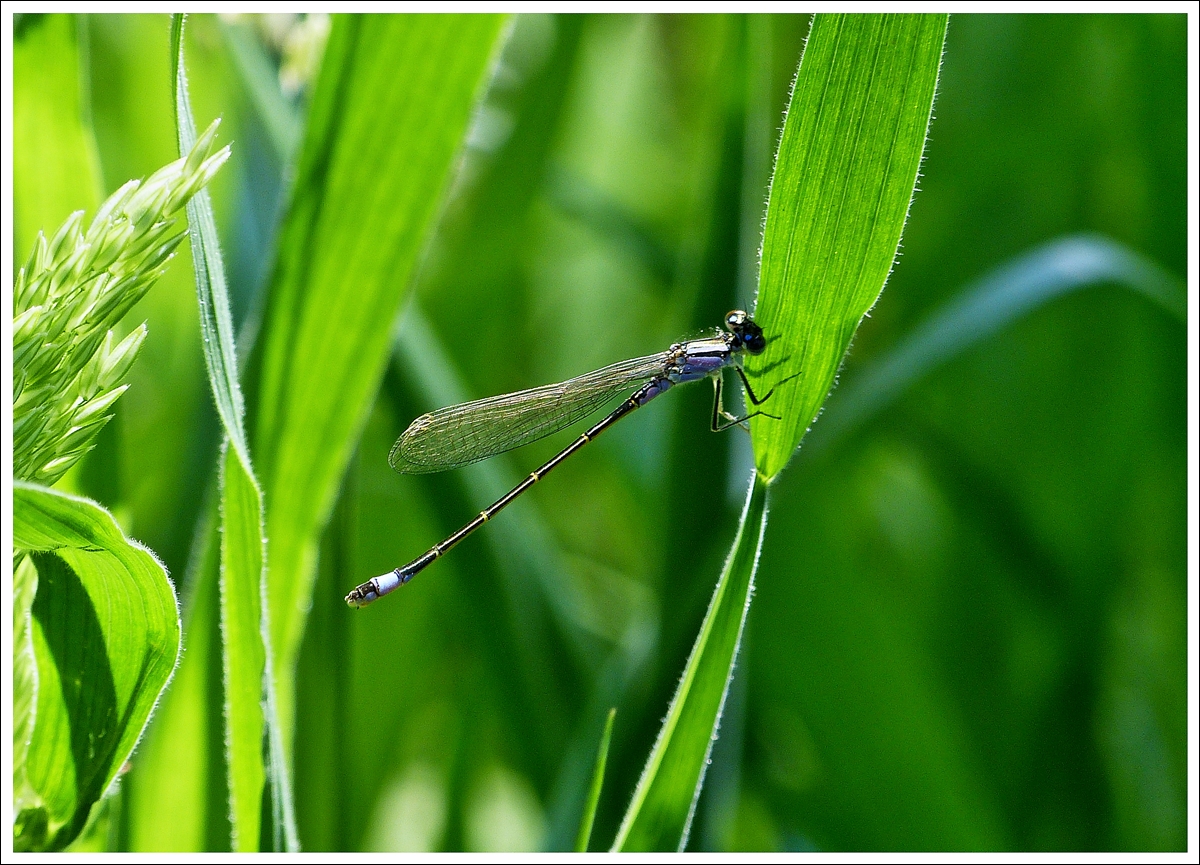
{"points": [[660, 815], [244, 647], [105, 631], [593, 799], [249, 689], [985, 307], [215, 323], [388, 117], [844, 176]]}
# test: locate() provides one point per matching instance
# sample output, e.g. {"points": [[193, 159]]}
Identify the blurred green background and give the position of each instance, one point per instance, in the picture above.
{"points": [[969, 630]]}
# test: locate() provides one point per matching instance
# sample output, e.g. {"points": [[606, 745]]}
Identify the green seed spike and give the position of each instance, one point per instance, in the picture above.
{"points": [[68, 365]]}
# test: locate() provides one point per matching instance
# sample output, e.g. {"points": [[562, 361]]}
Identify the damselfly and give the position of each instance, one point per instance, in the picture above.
{"points": [[461, 434]]}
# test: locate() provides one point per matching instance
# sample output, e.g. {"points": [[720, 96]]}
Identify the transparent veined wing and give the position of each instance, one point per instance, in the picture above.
{"points": [[468, 432]]}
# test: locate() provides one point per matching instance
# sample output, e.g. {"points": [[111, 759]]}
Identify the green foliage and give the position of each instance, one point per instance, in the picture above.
{"points": [[844, 176], [387, 120], [104, 631], [969, 627], [97, 624], [248, 702]]}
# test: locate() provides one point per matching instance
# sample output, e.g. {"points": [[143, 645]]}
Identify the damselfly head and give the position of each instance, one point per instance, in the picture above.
{"points": [[750, 335]]}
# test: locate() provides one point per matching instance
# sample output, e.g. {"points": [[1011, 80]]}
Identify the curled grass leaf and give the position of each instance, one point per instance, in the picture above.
{"points": [[105, 636]]}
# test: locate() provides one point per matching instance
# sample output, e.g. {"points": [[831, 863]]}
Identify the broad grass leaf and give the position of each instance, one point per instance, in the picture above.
{"points": [[475, 253], [844, 176], [105, 632], [389, 114]]}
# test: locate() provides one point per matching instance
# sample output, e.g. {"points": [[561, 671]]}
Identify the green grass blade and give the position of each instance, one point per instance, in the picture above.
{"points": [[216, 325], [660, 815], [844, 176], [56, 169], [105, 630], [983, 308], [245, 653], [593, 799], [249, 689], [389, 114]]}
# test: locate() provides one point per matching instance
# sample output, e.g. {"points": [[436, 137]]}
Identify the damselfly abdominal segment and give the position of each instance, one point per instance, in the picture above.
{"points": [[462, 434]]}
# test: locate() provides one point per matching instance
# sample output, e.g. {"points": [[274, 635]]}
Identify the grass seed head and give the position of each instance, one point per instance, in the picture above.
{"points": [[68, 365]]}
